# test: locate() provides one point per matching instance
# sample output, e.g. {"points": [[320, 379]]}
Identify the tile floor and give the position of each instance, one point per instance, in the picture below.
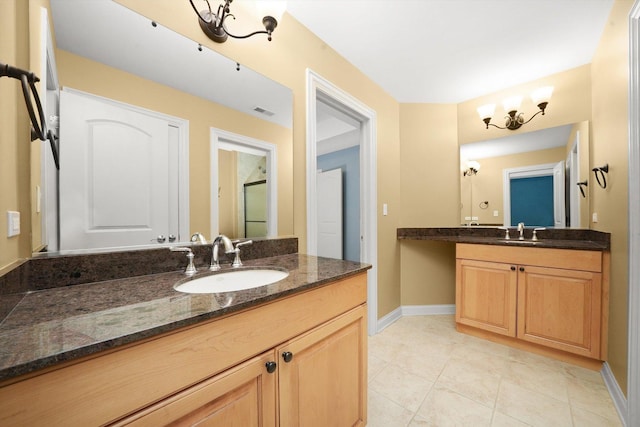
{"points": [[424, 373]]}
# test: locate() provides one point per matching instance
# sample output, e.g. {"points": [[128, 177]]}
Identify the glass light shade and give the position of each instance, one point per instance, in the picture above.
{"points": [[472, 164], [486, 111], [512, 103], [541, 95], [273, 8]]}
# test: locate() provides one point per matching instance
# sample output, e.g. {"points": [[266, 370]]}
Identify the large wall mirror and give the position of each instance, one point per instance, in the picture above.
{"points": [[112, 59], [539, 178]]}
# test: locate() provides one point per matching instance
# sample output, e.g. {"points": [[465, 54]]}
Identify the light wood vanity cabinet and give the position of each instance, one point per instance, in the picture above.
{"points": [[299, 360], [556, 298]]}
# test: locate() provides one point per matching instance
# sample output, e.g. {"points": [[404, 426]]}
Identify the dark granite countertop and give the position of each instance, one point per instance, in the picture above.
{"points": [[558, 238], [50, 326]]}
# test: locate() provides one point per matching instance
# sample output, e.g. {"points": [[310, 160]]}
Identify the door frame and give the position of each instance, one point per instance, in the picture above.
{"points": [[633, 374], [320, 88], [220, 138], [546, 169]]}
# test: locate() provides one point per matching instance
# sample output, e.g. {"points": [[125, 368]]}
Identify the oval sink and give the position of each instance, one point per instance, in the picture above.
{"points": [[231, 281]]}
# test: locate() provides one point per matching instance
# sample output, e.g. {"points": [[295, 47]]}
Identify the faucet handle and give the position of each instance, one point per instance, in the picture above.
{"points": [[535, 236], [236, 261], [198, 237], [191, 268], [506, 232]]}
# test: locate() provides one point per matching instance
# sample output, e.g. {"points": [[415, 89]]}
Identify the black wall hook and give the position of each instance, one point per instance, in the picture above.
{"points": [[601, 172], [28, 81], [581, 185]]}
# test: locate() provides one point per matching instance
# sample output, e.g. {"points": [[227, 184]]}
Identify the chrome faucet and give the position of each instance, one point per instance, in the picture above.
{"points": [[228, 248], [521, 230]]}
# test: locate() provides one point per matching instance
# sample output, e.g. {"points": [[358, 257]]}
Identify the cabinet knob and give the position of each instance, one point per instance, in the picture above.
{"points": [[271, 367], [521, 268], [513, 268], [287, 356]]}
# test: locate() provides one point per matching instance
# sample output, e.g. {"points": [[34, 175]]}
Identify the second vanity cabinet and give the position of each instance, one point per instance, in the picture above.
{"points": [[299, 360], [555, 298]]}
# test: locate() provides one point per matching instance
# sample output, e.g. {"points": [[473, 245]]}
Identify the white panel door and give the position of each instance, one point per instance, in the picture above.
{"points": [[114, 175], [329, 205]]}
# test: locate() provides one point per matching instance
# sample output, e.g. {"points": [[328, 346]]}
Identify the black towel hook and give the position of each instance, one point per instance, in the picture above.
{"points": [[28, 81], [581, 186], [601, 172]]}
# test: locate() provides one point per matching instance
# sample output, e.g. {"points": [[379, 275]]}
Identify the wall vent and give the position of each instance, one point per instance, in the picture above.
{"points": [[263, 111]]}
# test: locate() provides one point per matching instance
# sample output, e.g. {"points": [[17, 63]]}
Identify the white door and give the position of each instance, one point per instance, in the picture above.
{"points": [[559, 218], [114, 175], [329, 205]]}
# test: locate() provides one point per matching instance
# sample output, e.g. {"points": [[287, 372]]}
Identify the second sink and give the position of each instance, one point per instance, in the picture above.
{"points": [[231, 281]]}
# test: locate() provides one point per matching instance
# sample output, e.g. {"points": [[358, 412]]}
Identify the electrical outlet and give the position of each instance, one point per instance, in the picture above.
{"points": [[13, 223], [594, 217], [495, 213]]}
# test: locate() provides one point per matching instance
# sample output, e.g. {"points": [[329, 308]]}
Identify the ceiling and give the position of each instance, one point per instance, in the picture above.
{"points": [[450, 51]]}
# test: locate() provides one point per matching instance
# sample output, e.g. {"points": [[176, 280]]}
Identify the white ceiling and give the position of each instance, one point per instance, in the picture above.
{"points": [[449, 51]]}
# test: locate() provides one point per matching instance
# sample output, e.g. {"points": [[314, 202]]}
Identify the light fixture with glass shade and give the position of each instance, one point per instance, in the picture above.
{"points": [[214, 24], [514, 119]]}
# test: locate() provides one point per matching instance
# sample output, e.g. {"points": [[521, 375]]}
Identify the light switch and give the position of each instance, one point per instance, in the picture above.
{"points": [[385, 210], [13, 223]]}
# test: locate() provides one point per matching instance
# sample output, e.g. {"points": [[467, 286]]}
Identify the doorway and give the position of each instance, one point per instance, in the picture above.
{"points": [[259, 162], [524, 175], [320, 92]]}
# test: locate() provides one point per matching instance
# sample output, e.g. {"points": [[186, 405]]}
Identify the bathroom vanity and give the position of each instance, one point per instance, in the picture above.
{"points": [[290, 353], [550, 296]]}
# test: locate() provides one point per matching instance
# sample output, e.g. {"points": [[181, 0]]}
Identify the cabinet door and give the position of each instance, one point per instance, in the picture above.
{"points": [[323, 374], [242, 396], [560, 309], [486, 295]]}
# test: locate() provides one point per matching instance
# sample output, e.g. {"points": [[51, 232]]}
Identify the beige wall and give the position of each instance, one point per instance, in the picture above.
{"points": [[80, 73], [610, 80], [14, 133], [430, 198], [570, 103]]}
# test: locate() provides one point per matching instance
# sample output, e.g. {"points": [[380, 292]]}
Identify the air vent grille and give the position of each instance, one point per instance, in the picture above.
{"points": [[263, 111]]}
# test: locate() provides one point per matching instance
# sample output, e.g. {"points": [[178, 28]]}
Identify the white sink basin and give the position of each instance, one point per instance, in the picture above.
{"points": [[231, 281]]}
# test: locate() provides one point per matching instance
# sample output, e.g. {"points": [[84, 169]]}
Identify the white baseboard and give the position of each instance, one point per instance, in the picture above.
{"points": [[617, 396], [414, 310], [388, 319], [428, 310]]}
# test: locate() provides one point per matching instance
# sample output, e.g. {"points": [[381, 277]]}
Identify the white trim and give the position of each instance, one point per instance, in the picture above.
{"points": [[428, 310], [228, 140], [633, 371], [183, 153], [615, 392], [545, 169], [318, 87], [388, 319]]}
